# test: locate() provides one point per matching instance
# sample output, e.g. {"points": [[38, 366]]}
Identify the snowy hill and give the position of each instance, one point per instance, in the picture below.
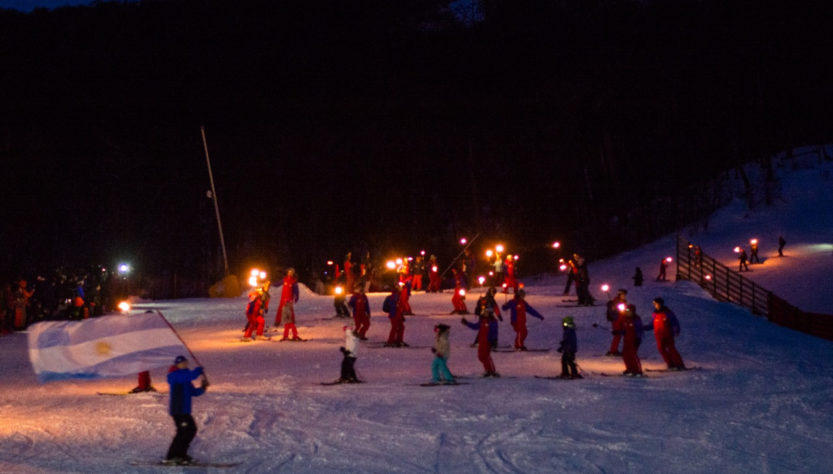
{"points": [[759, 402]]}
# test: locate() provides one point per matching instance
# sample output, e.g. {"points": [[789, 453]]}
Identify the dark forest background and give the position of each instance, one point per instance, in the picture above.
{"points": [[388, 125]]}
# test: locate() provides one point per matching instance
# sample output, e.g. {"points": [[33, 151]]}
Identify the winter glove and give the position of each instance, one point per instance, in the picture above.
{"points": [[434, 350], [560, 348], [204, 384], [342, 349]]}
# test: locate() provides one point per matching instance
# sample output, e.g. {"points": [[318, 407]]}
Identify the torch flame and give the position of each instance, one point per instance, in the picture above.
{"points": [[434, 269], [668, 259], [737, 249], [489, 253], [499, 248], [339, 290], [461, 292], [622, 307], [556, 245], [605, 288], [390, 264], [124, 306]]}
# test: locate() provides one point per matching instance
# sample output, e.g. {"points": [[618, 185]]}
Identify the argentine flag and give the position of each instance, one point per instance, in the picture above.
{"points": [[109, 346]]}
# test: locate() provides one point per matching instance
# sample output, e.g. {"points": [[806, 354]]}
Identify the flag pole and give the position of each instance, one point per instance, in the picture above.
{"points": [[196, 361], [214, 198], [459, 255]]}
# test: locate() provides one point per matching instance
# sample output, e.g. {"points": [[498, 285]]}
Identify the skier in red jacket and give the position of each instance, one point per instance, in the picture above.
{"points": [[629, 325], [484, 348], [518, 310], [666, 327], [286, 309], [256, 309], [361, 312], [434, 279]]}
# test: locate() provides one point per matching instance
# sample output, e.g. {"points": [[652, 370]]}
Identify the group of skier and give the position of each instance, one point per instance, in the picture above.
{"points": [[258, 307]]}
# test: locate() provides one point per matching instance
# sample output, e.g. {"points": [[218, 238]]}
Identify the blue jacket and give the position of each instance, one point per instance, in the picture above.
{"points": [[569, 343], [182, 390], [512, 306]]}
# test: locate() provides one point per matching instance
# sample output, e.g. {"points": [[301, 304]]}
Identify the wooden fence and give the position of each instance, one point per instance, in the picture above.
{"points": [[726, 284]]}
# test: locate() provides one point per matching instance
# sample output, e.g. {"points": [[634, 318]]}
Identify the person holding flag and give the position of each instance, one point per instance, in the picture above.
{"points": [[181, 391]]}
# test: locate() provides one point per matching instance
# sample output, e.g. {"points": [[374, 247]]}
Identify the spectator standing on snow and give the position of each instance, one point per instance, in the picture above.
{"points": [[663, 265], [349, 272], [256, 310], [637, 277], [338, 303], [568, 348], [583, 281], [181, 391], [434, 280], [518, 309], [351, 353], [781, 244], [361, 312], [21, 303], [417, 271], [742, 259], [286, 309], [666, 327], [572, 271], [441, 350], [753, 251], [6, 308], [629, 325]]}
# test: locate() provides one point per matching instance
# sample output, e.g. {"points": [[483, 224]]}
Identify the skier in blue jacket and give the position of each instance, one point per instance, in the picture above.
{"points": [[181, 391], [568, 348]]}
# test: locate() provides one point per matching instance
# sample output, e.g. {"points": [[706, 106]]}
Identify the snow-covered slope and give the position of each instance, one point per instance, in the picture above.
{"points": [[760, 402]]}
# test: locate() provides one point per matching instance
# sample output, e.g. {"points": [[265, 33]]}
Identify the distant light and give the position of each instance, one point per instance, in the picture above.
{"points": [[556, 245], [491, 273], [516, 257], [668, 259], [253, 281], [463, 241], [499, 248], [124, 306], [390, 264], [329, 262], [339, 290], [254, 272], [481, 280], [605, 287], [124, 269], [262, 275], [461, 292], [489, 253], [422, 252], [562, 267], [708, 277], [753, 241], [410, 259], [399, 261], [434, 269], [737, 249]]}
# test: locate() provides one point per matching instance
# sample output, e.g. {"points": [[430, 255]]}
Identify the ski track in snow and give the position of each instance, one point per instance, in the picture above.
{"points": [[761, 403]]}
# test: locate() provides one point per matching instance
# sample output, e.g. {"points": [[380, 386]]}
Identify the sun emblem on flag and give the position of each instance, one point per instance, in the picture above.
{"points": [[103, 348]]}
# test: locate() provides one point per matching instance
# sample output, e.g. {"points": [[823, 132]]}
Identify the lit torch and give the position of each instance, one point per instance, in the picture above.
{"points": [[556, 245], [668, 259], [339, 290], [622, 307], [481, 279], [124, 306], [390, 264], [737, 249], [499, 248]]}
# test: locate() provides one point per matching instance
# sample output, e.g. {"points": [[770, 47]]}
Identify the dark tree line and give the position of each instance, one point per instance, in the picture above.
{"points": [[386, 125]]}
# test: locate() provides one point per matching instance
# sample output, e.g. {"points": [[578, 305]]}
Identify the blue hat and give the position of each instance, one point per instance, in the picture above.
{"points": [[180, 359]]}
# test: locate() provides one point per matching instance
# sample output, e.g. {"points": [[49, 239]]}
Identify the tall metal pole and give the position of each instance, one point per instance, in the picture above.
{"points": [[214, 198]]}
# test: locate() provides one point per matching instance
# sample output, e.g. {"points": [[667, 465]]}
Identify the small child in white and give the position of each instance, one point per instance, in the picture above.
{"points": [[441, 349], [350, 351]]}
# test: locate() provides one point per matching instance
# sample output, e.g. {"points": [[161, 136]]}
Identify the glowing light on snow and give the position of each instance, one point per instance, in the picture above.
{"points": [[124, 306], [339, 290]]}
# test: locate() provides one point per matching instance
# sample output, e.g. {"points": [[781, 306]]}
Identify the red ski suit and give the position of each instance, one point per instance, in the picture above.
{"points": [[257, 307], [629, 325], [361, 313], [484, 348], [289, 296], [459, 302], [397, 322], [433, 277], [664, 334]]}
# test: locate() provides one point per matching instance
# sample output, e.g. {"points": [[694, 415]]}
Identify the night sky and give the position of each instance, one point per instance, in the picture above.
{"points": [[387, 126]]}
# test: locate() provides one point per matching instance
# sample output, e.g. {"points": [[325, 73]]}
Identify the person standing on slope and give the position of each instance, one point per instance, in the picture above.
{"points": [[629, 325], [181, 391], [286, 309], [393, 306], [519, 308], [568, 348], [666, 327], [361, 311], [441, 350], [351, 353], [484, 348]]}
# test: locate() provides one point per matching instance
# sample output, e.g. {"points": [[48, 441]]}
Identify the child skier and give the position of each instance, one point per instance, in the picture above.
{"points": [[519, 308], [441, 350], [350, 351], [458, 300], [484, 347], [666, 327], [568, 348], [181, 391]]}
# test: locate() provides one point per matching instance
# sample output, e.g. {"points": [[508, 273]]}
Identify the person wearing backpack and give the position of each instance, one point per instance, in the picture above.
{"points": [[666, 327]]}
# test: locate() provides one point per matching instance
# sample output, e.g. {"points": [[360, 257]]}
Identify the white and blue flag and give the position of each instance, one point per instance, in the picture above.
{"points": [[109, 346]]}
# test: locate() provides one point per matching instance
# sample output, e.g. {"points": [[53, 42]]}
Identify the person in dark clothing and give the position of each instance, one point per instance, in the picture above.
{"points": [[742, 259], [181, 391], [753, 251], [637, 277], [781, 244], [568, 348]]}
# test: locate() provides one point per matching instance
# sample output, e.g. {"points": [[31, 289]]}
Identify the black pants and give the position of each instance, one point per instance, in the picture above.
{"points": [[348, 372], [568, 364], [186, 429]]}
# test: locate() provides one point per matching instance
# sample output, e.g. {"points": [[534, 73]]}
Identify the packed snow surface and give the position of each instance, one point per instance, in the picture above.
{"points": [[759, 400]]}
